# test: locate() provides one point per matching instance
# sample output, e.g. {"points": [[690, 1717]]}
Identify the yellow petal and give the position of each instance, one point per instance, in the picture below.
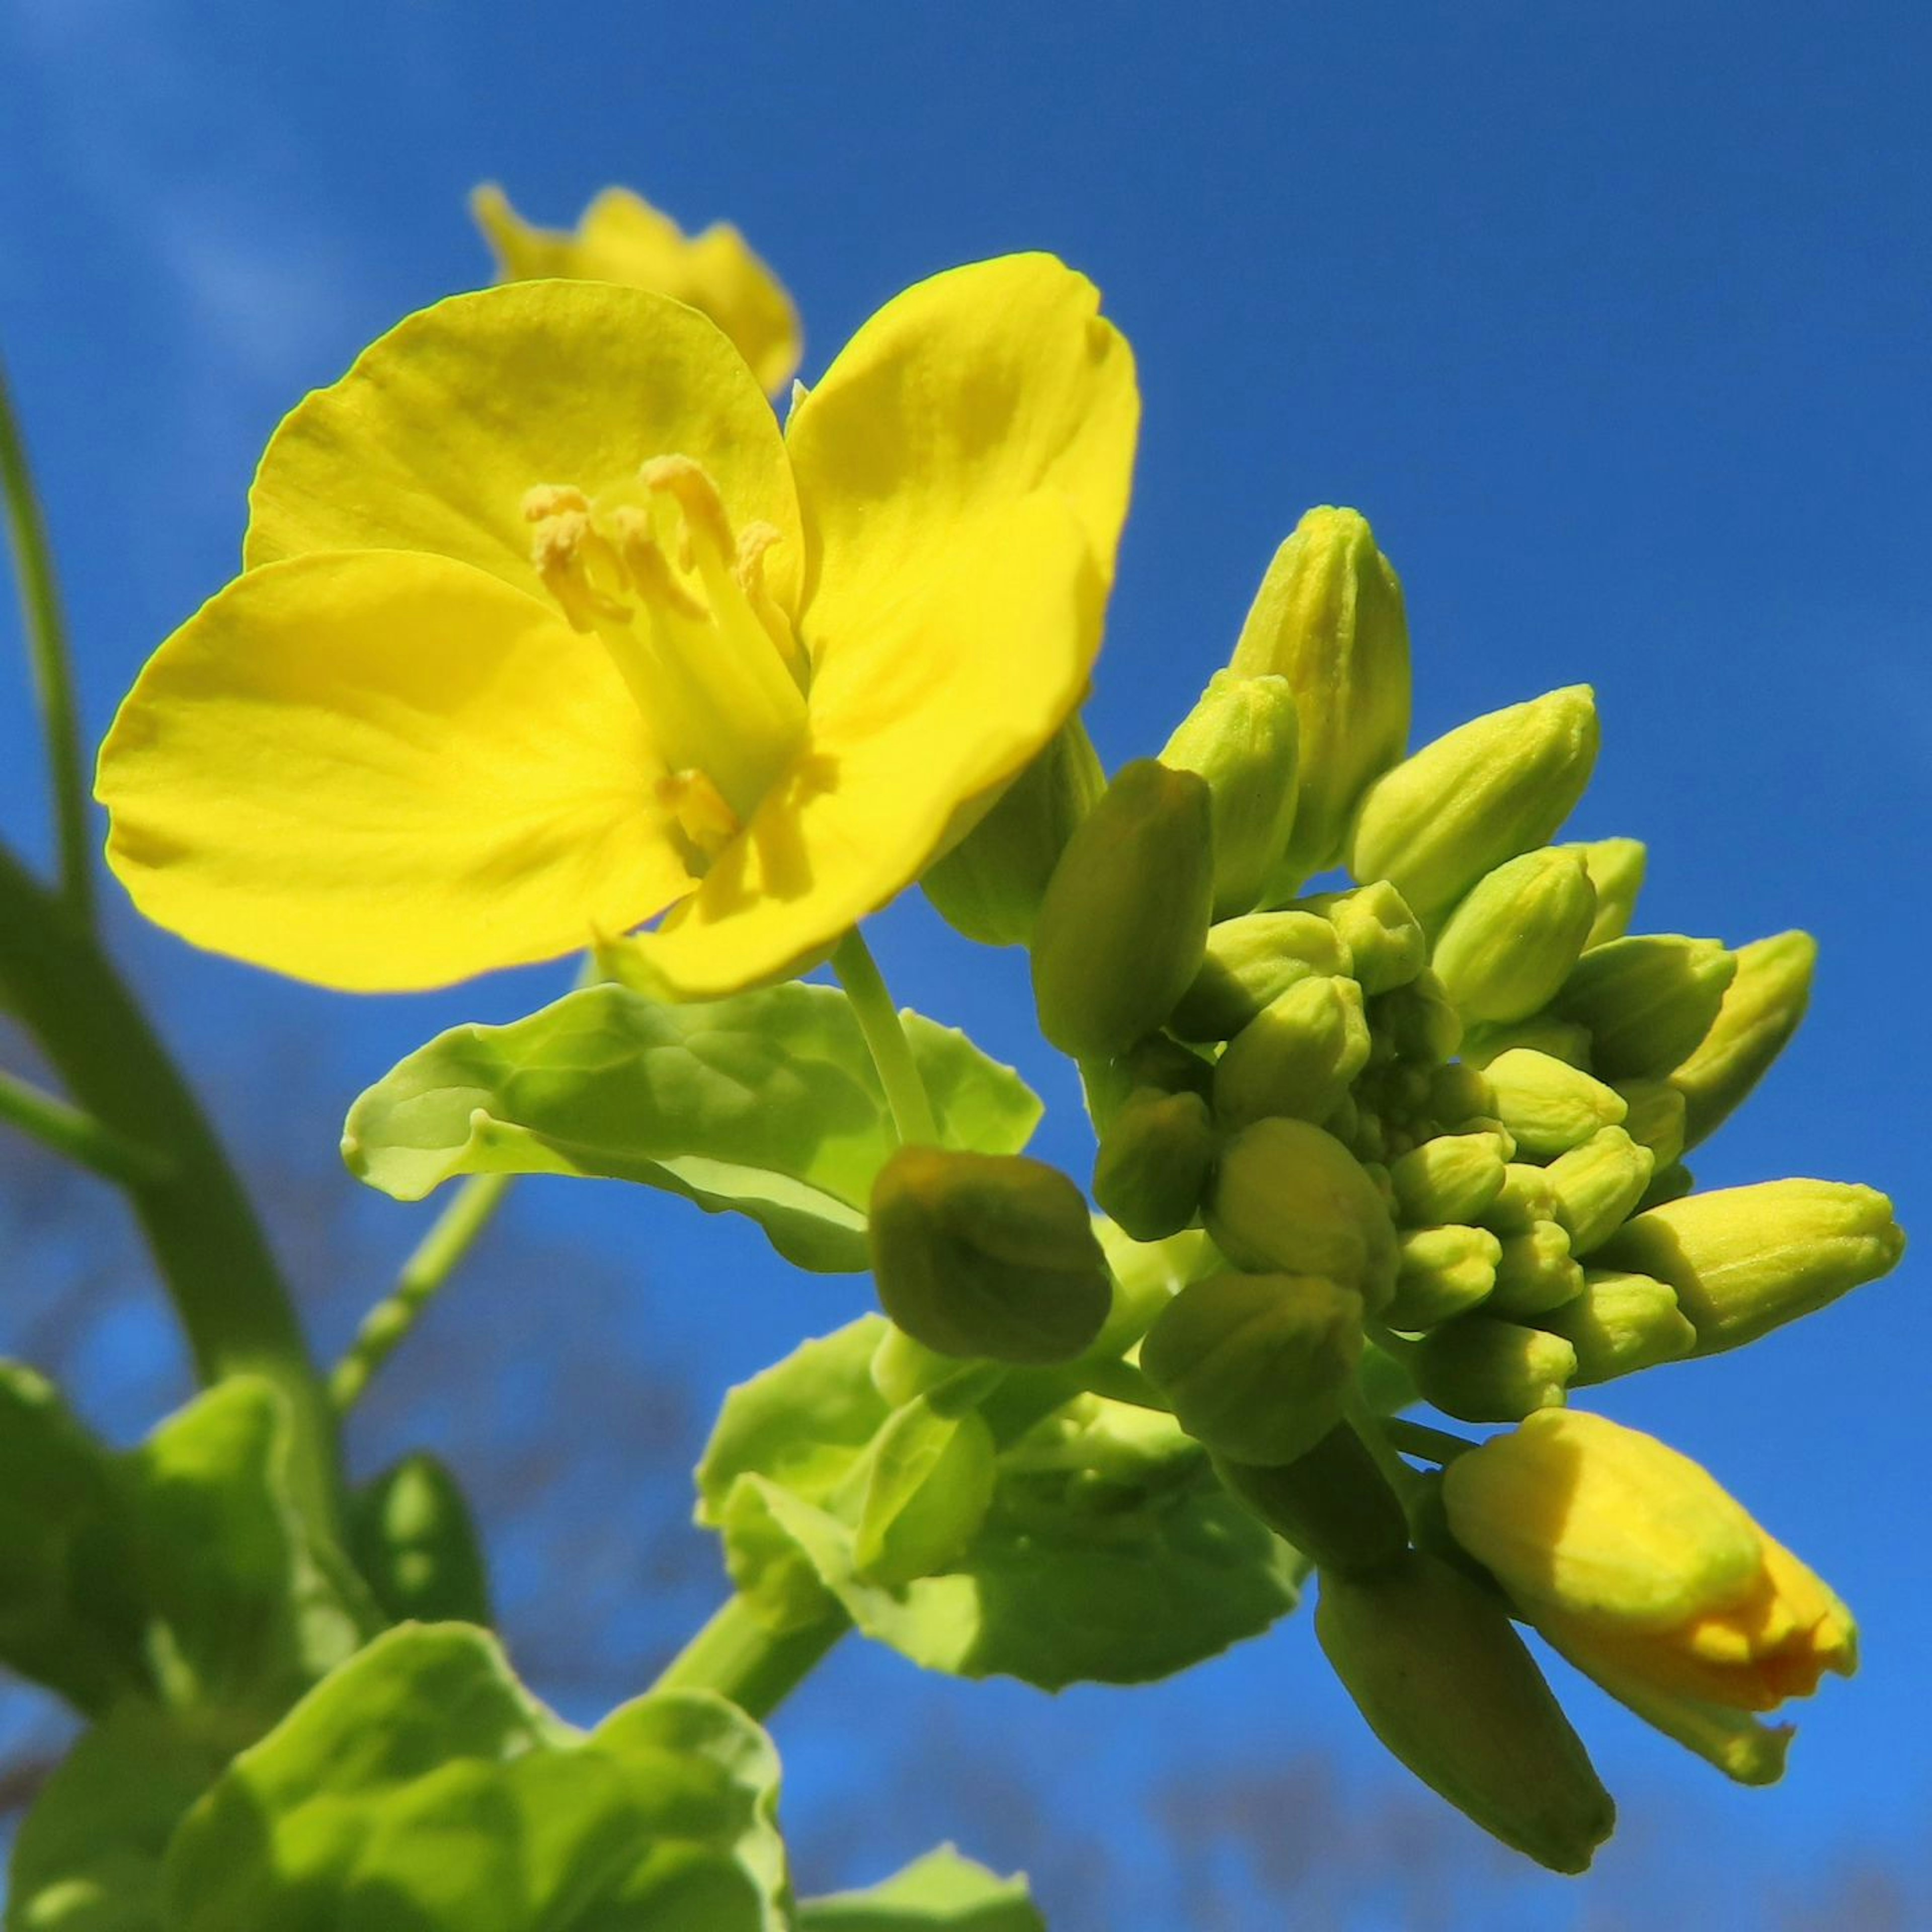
{"points": [[938, 700], [621, 238], [382, 771], [431, 439]]}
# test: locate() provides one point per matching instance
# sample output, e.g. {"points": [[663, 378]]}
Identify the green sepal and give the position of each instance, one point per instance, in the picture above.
{"points": [[1616, 867], [1334, 1504], [1512, 942], [1481, 1369], [1647, 1001], [1762, 1008]]}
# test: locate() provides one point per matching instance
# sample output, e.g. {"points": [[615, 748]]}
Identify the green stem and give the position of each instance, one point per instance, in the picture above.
{"points": [[79, 1136], [207, 1245], [436, 1258], [856, 970], [53, 676], [1433, 1445], [737, 1656], [1122, 1382]]}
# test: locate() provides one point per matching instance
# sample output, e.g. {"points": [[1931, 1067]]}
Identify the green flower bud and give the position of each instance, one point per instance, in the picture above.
{"points": [[1616, 867], [1459, 1092], [1243, 738], [1597, 1185], [1561, 1039], [1158, 1061], [1295, 1057], [1124, 926], [1746, 1260], [1619, 1324], [1481, 1369], [1511, 943], [414, 1539], [987, 1255], [1288, 1199], [928, 1485], [1668, 1183], [1154, 1161], [1248, 962], [1419, 1021], [902, 1369], [1452, 1177], [1334, 1505], [1443, 1272], [989, 886], [1535, 1271], [1328, 618], [1480, 794], [1255, 1364], [1646, 1000], [1761, 1010], [1385, 939], [1549, 1107], [1446, 1684], [1655, 1119], [1526, 1197]]}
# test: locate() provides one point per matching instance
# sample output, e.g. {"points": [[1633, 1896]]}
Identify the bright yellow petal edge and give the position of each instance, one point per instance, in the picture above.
{"points": [[621, 238]]}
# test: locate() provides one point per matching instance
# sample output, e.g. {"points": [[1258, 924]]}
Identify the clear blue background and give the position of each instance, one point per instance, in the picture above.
{"points": [[1614, 322]]}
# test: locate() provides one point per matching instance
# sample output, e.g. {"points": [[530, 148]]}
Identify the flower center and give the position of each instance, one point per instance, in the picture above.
{"points": [[653, 569]]}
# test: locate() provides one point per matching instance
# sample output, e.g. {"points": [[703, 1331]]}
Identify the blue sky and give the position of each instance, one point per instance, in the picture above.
{"points": [[1613, 322]]}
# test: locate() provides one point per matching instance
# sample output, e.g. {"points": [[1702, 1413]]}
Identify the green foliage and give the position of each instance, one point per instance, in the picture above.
{"points": [[941, 1892], [1109, 1551], [422, 1787], [767, 1104]]}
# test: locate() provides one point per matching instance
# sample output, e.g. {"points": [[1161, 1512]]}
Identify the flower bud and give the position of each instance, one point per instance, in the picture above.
{"points": [[1761, 1010], [1481, 1369], [1746, 1260], [1385, 941], [1526, 1197], [1619, 1324], [1123, 927], [1549, 1107], [1419, 1021], [1334, 1504], [990, 885], [1535, 1272], [1449, 1688], [1154, 1158], [1251, 961], [1243, 738], [1616, 867], [1633, 1562], [1508, 946], [1296, 1056], [1452, 1177], [1597, 1184], [1459, 1094], [1328, 618], [1480, 794], [1289, 1198], [987, 1255], [929, 1483], [1655, 1118], [1561, 1039], [1647, 1001], [1255, 1364], [901, 1369], [1443, 1272]]}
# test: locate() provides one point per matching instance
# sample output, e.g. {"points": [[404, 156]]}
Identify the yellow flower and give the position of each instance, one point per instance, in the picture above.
{"points": [[545, 628], [1640, 1568], [621, 238]]}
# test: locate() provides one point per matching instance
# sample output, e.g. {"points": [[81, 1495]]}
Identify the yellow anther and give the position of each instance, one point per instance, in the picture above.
{"points": [[696, 495], [700, 809], [646, 566], [753, 540], [546, 499], [562, 547]]}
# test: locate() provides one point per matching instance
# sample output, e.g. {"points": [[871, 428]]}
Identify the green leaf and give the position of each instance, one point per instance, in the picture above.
{"points": [[179, 1571], [941, 1892], [412, 1538], [420, 1787], [88, 1855], [765, 1104], [1110, 1552]]}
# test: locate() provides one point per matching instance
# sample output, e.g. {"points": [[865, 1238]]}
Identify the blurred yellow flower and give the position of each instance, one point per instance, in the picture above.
{"points": [[546, 629], [621, 238]]}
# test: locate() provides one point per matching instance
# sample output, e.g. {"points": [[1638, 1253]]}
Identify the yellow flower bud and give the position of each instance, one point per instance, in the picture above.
{"points": [[1296, 1056], [1549, 1107], [1616, 867], [1526, 1198], [1761, 1011], [1628, 1556], [1328, 618], [1512, 942], [1250, 960], [1385, 941], [1243, 737], [1535, 1271], [1443, 1271], [1597, 1184], [1619, 1324], [1647, 1001], [1452, 1177]]}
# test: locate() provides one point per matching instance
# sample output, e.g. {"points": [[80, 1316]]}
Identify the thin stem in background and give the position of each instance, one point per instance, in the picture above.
{"points": [[78, 1136], [53, 674], [856, 970], [738, 1657]]}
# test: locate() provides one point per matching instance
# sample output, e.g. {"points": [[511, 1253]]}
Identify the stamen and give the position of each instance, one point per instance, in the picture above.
{"points": [[753, 540], [564, 544], [696, 495], [645, 565], [546, 499]]}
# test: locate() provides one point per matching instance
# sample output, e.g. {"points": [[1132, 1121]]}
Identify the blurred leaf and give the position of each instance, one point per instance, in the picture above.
{"points": [[1110, 1552], [766, 1103], [941, 1892], [179, 1571], [88, 1855], [420, 1787], [412, 1537]]}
